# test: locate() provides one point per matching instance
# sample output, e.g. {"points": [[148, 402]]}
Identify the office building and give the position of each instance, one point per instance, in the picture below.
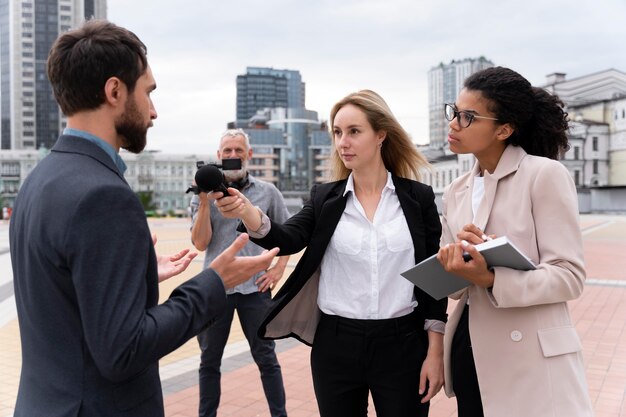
{"points": [[289, 145], [29, 115], [596, 104], [288, 140], [162, 177], [261, 88], [444, 83]]}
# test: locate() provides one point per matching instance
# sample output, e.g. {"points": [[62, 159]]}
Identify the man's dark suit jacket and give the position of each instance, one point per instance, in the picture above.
{"points": [[86, 289], [295, 312]]}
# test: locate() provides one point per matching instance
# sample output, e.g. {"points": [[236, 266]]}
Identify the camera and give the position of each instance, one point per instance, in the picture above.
{"points": [[209, 177]]}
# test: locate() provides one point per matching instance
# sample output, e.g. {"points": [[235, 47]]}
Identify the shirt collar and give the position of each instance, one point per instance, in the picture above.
{"points": [[350, 184], [105, 146]]}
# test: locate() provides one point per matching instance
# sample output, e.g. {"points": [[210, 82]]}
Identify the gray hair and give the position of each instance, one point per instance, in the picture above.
{"points": [[236, 132]]}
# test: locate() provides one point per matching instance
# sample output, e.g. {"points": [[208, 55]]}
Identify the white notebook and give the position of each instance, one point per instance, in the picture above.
{"points": [[430, 276]]}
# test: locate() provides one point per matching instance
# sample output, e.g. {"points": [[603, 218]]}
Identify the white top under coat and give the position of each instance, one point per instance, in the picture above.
{"points": [[360, 272]]}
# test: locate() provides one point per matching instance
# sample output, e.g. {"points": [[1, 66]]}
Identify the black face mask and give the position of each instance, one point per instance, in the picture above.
{"points": [[240, 184]]}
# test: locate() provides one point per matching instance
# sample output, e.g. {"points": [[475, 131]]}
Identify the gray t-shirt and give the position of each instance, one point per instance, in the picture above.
{"points": [[261, 194]]}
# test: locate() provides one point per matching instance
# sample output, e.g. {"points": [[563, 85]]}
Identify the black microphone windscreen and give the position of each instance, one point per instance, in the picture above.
{"points": [[209, 178]]}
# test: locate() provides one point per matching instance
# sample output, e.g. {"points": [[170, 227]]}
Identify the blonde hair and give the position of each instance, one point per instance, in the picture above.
{"points": [[400, 155]]}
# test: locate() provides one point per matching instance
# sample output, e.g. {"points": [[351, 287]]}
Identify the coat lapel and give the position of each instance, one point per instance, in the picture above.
{"points": [[508, 164], [463, 197], [331, 211], [74, 144], [410, 206]]}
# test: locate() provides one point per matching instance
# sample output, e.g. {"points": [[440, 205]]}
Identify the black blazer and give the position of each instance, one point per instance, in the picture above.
{"points": [[295, 312], [86, 289]]}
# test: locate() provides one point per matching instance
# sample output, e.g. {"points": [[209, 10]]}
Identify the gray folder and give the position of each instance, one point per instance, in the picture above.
{"points": [[430, 276]]}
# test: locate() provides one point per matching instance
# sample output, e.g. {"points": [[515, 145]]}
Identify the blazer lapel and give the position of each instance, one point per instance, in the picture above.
{"points": [[408, 202], [508, 164], [463, 199], [332, 208], [74, 144]]}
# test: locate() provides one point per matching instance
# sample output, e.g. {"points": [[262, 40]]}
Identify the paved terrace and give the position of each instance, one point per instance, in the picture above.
{"points": [[599, 316]]}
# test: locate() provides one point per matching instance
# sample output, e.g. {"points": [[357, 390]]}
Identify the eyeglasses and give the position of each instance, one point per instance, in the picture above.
{"points": [[465, 118]]}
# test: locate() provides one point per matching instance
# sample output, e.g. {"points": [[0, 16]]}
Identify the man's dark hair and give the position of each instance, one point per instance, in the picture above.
{"points": [[82, 60]]}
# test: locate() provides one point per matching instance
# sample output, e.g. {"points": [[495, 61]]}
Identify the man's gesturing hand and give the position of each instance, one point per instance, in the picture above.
{"points": [[236, 269]]}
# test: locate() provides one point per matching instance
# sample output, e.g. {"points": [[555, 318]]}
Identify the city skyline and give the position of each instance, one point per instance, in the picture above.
{"points": [[196, 51]]}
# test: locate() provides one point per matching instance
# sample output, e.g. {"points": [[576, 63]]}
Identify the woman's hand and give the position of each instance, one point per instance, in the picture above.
{"points": [[472, 234], [237, 206], [474, 270], [268, 280], [432, 367]]}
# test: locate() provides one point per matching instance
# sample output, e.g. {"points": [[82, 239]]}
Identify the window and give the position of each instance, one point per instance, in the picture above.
{"points": [[595, 167], [577, 177], [576, 153], [595, 143]]}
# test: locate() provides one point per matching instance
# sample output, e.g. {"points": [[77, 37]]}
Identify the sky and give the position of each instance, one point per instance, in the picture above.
{"points": [[197, 48]]}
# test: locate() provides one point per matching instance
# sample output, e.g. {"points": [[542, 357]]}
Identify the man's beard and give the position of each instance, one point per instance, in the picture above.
{"points": [[129, 127], [236, 175]]}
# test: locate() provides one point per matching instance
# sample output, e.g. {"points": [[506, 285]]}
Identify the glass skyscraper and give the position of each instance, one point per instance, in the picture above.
{"points": [[30, 117], [261, 88]]}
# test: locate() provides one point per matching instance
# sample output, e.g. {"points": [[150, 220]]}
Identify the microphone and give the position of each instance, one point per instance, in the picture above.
{"points": [[210, 178]]}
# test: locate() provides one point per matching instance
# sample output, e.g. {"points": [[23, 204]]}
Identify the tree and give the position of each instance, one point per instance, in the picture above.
{"points": [[146, 200]]}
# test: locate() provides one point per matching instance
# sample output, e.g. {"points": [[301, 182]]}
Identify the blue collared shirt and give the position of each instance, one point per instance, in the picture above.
{"points": [[106, 147]]}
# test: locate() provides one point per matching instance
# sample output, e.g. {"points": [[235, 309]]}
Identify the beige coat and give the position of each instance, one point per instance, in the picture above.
{"points": [[527, 352]]}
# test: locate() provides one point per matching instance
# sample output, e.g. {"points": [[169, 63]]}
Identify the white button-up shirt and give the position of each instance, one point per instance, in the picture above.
{"points": [[360, 272]]}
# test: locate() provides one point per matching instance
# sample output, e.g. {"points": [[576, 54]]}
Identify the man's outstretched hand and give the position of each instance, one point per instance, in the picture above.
{"points": [[172, 265], [236, 269]]}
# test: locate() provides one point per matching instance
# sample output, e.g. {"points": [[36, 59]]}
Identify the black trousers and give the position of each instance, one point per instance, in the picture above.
{"points": [[351, 358], [464, 378]]}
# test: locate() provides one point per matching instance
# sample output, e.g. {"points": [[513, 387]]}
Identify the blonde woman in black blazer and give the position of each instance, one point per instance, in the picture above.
{"points": [[371, 330]]}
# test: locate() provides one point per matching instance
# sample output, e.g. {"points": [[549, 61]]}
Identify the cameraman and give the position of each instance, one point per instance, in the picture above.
{"points": [[252, 298]]}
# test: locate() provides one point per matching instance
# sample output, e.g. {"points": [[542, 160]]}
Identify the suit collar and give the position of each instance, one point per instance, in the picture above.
{"points": [[78, 145], [411, 209], [509, 163]]}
